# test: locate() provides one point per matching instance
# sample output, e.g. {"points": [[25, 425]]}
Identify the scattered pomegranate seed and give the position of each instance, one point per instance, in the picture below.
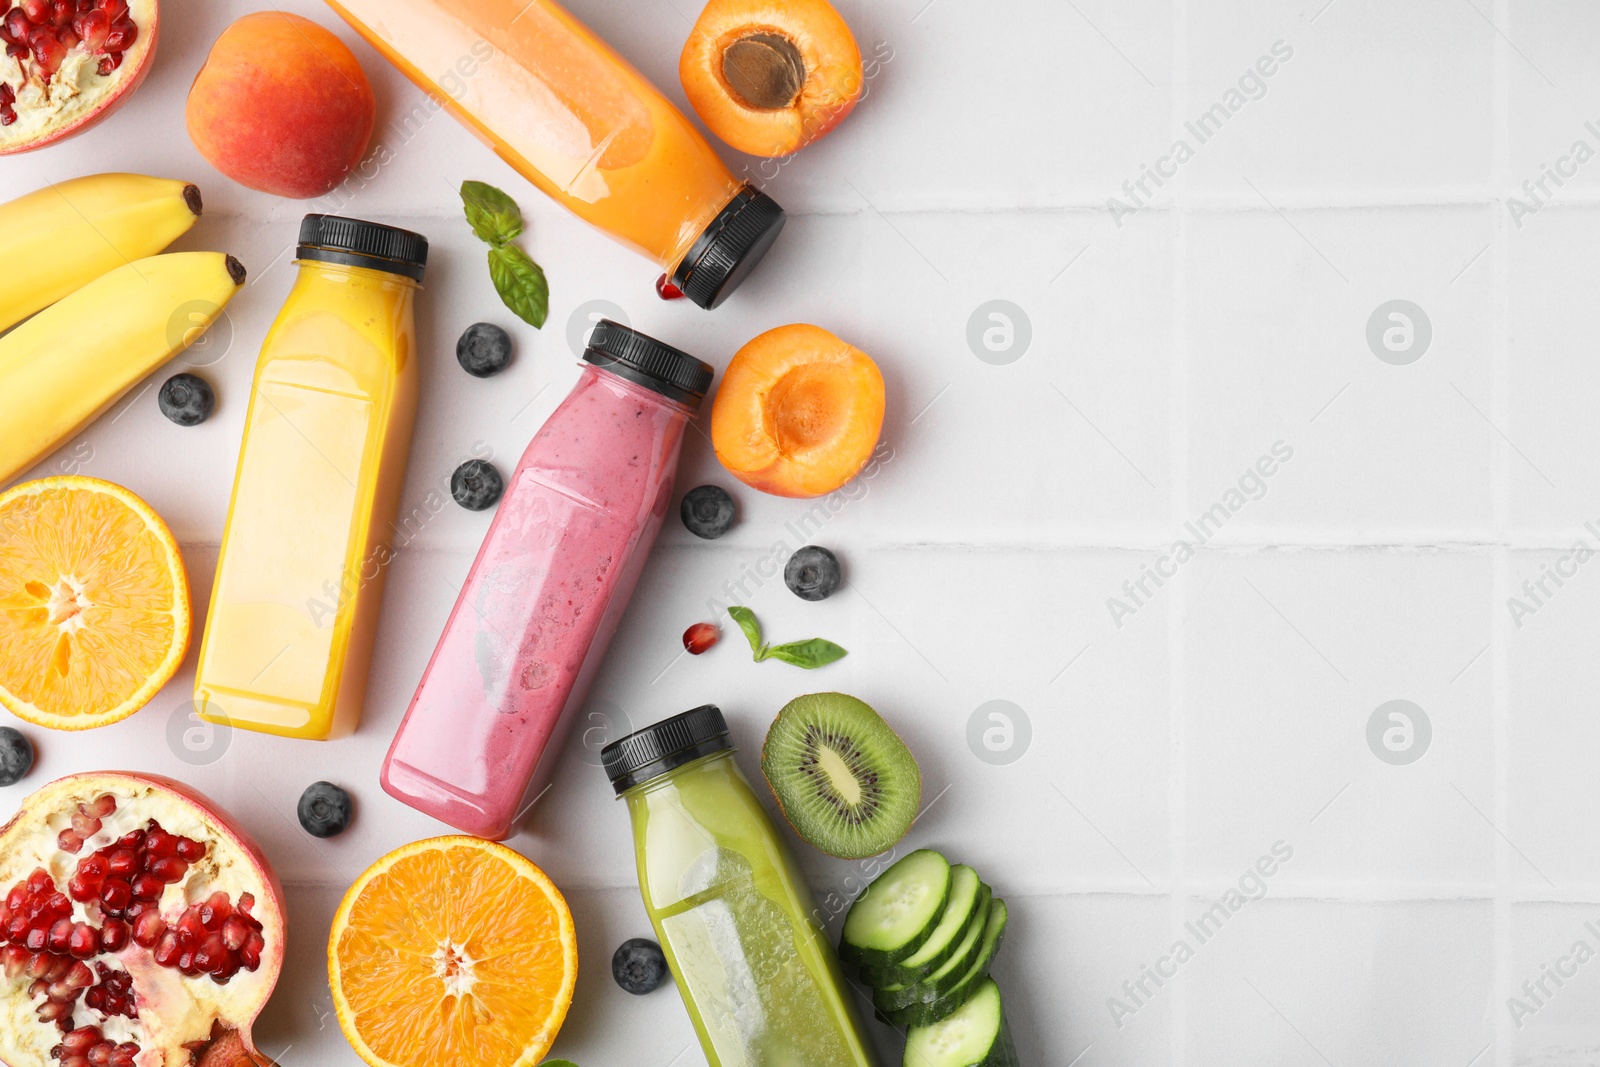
{"points": [[68, 841], [666, 290], [700, 637]]}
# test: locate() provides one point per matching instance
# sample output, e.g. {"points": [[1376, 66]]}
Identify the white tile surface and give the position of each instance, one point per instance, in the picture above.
{"points": [[1170, 350]]}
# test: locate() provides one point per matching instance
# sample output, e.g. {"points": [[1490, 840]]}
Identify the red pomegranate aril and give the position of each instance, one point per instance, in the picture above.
{"points": [[214, 911], [167, 950], [68, 841], [61, 935], [40, 882], [159, 844], [55, 1010], [123, 1056], [148, 887], [81, 891], [37, 11], [148, 928], [250, 954], [122, 863], [700, 637], [211, 954], [666, 290], [132, 840], [102, 805], [123, 34], [115, 9], [61, 12], [40, 964], [246, 902], [108, 63], [169, 869], [36, 939], [235, 932], [114, 935], [82, 1039], [115, 894], [93, 868], [85, 941], [17, 25], [100, 1055], [191, 851], [83, 824], [13, 958]]}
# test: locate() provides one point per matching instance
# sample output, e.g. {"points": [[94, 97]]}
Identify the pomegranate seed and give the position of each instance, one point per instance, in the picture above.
{"points": [[93, 868], [14, 958], [102, 805], [115, 894], [148, 928], [80, 890], [134, 840], [148, 887], [93, 27], [17, 50], [36, 939], [69, 842], [38, 11], [700, 637], [84, 824], [246, 902], [190, 851], [60, 935], [17, 25], [123, 1056], [211, 954], [169, 869], [82, 1040], [61, 12], [40, 965], [166, 951], [122, 863], [158, 844], [40, 882], [123, 34], [114, 935], [115, 9], [55, 1010], [235, 932], [223, 974], [108, 64], [85, 941], [666, 290], [48, 52], [250, 954]]}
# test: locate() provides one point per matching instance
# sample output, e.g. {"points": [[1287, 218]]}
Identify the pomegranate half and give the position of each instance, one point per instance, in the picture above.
{"points": [[67, 64], [138, 928]]}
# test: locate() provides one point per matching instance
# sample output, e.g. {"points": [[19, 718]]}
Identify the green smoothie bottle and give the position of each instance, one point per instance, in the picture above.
{"points": [[732, 912]]}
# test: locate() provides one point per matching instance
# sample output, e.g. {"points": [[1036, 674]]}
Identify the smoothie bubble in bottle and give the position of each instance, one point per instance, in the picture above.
{"points": [[548, 588], [733, 914], [575, 119], [300, 574]]}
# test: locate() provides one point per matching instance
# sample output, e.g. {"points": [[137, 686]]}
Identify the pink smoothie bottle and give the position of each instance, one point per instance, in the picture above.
{"points": [[548, 588]]}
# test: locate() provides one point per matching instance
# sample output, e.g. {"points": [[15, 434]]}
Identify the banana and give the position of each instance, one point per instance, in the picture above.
{"points": [[57, 240], [65, 366]]}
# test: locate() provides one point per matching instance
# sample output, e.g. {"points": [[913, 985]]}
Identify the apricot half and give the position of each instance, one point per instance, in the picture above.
{"points": [[771, 76], [798, 413]]}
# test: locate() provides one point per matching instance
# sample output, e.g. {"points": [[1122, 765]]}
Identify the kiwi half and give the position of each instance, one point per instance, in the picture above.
{"points": [[844, 780]]}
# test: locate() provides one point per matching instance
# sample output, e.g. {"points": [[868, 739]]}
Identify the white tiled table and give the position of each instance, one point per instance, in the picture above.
{"points": [[1230, 711]]}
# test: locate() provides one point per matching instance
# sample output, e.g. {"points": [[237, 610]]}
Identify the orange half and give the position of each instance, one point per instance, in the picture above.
{"points": [[94, 603], [452, 951]]}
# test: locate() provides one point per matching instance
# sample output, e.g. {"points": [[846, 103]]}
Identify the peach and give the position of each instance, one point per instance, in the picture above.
{"points": [[798, 413], [281, 106], [771, 76]]}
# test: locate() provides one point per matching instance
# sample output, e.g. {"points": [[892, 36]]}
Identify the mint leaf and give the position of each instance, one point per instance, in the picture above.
{"points": [[495, 217], [808, 654], [521, 284], [752, 629]]}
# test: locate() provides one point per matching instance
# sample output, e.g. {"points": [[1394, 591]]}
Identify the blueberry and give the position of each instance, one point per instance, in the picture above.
{"points": [[324, 809], [484, 350], [16, 756], [707, 511], [638, 966], [476, 485], [186, 399], [812, 573]]}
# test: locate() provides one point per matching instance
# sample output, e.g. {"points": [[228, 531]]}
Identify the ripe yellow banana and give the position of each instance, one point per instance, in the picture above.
{"points": [[59, 239], [65, 366]]}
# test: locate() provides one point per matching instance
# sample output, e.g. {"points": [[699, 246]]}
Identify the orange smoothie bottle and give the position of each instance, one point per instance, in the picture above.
{"points": [[294, 607], [575, 119]]}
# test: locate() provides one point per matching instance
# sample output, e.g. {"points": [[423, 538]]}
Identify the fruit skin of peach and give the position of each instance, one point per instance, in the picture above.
{"points": [[834, 76], [233, 1046], [281, 106], [148, 18], [799, 412]]}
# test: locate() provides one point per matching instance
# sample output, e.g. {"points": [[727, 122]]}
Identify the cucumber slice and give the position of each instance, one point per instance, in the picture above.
{"points": [[974, 1036], [969, 901], [898, 912], [947, 1003], [955, 967]]}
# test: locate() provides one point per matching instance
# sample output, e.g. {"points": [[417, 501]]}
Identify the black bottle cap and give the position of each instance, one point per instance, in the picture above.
{"points": [[729, 248], [644, 360], [357, 243], [664, 747]]}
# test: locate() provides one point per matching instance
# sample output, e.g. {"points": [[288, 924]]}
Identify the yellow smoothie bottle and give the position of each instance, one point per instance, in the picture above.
{"points": [[300, 574]]}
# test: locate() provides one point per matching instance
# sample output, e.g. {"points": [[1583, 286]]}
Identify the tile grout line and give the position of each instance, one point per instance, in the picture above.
{"points": [[1499, 401], [1177, 603]]}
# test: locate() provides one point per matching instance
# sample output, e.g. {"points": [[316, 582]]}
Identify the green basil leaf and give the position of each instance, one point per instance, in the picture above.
{"points": [[808, 654], [752, 629], [495, 217], [521, 284]]}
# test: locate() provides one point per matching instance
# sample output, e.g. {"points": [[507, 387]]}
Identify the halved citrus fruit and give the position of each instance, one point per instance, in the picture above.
{"points": [[452, 951], [94, 603]]}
